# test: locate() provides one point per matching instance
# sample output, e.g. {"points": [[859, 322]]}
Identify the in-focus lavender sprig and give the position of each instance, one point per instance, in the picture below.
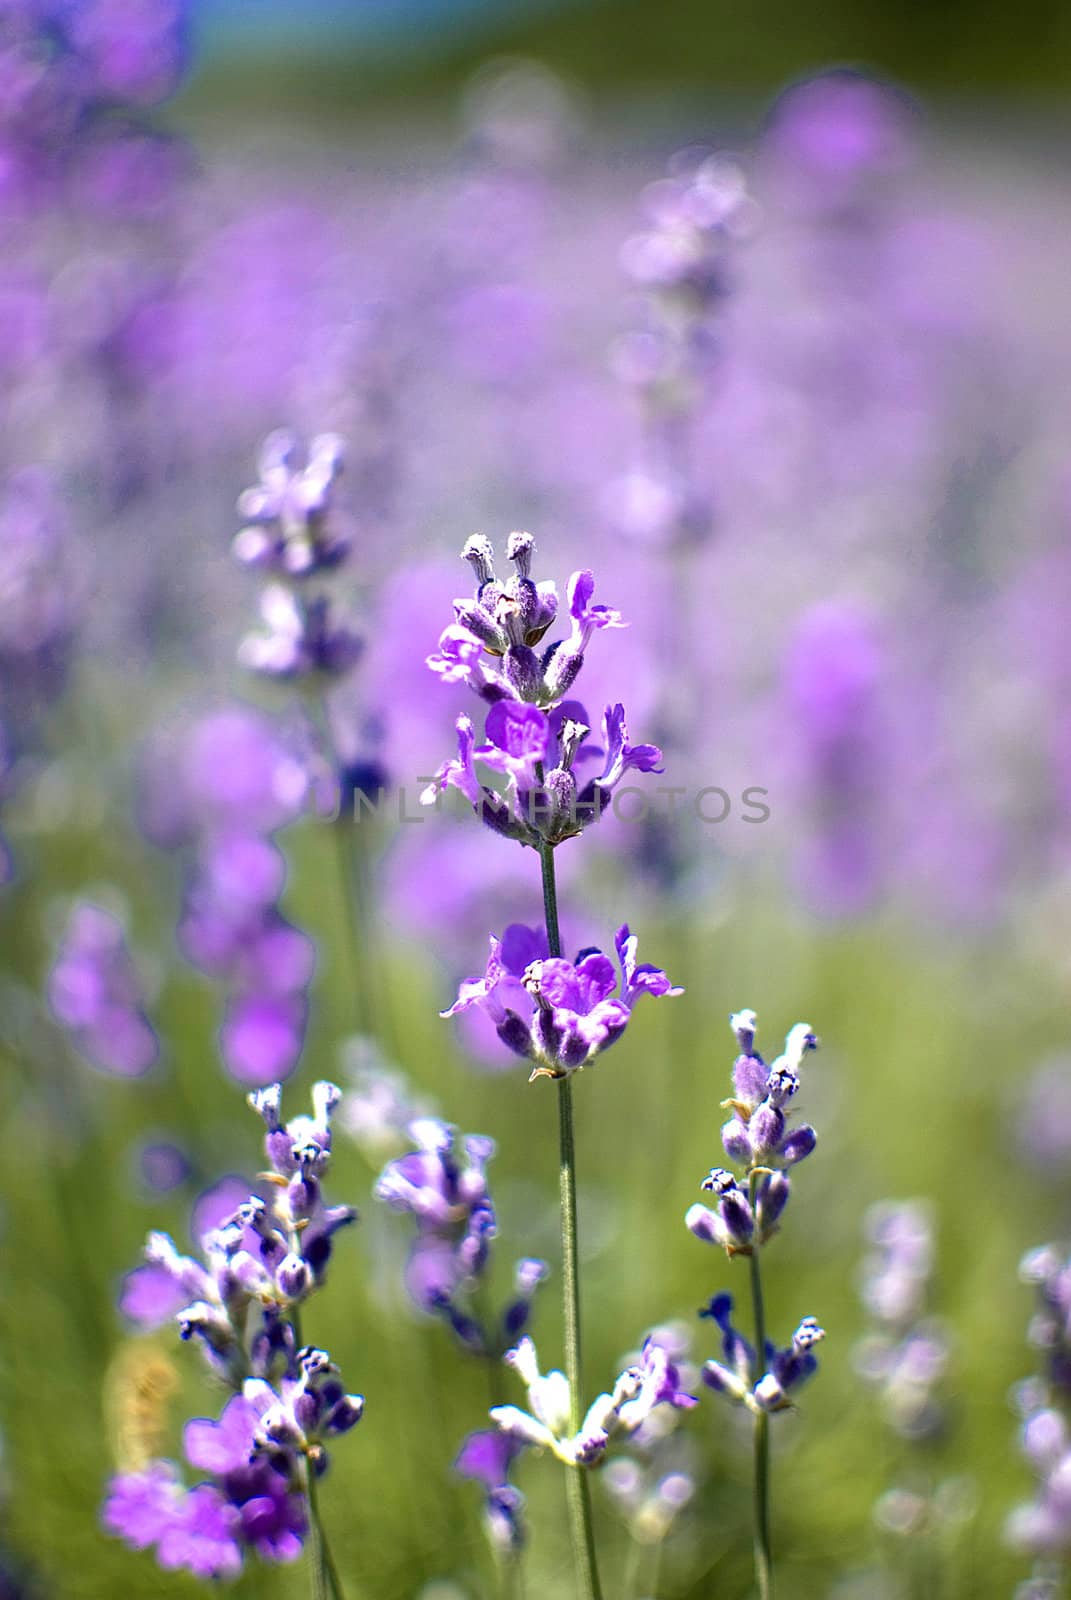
{"points": [[534, 737], [242, 1304], [760, 1139], [559, 1014], [535, 743], [653, 1380]]}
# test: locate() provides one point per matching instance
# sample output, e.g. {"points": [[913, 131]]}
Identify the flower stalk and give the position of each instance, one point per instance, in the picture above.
{"points": [[577, 1488], [762, 1543]]}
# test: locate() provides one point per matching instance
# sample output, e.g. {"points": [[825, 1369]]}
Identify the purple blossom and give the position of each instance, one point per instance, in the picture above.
{"points": [[259, 1260], [248, 1504], [651, 1382], [559, 1014], [518, 738], [298, 637], [94, 992], [289, 528], [536, 752], [622, 756], [487, 1459], [231, 929], [738, 1376], [445, 1190], [758, 1133], [292, 534]]}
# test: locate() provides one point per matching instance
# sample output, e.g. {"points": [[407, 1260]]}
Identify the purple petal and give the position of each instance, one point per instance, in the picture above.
{"points": [[151, 1297]]}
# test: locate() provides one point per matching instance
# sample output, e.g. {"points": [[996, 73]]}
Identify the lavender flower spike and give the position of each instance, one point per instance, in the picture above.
{"points": [[94, 992], [786, 1370], [556, 1013], [742, 1220], [636, 1393], [445, 1190]]}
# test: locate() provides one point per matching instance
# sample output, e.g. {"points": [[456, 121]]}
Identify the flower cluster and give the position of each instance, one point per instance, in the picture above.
{"points": [[261, 1261], [255, 1457], [761, 1386], [757, 1137], [1043, 1527], [94, 992], [534, 738], [654, 1475], [653, 1380], [743, 1219], [445, 1191], [680, 268], [556, 1013], [291, 534], [220, 793], [905, 1356]]}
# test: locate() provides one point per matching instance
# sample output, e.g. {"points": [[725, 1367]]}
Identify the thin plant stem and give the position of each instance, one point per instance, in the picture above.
{"points": [[578, 1489], [763, 1548], [351, 889], [326, 1584]]}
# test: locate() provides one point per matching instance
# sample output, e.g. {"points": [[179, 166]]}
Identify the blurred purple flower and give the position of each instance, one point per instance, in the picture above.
{"points": [[94, 993]]}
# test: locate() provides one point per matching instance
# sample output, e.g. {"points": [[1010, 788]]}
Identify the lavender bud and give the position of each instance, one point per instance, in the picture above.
{"points": [[293, 1278], [520, 548], [471, 615], [734, 1137], [523, 672], [743, 1024], [766, 1130], [479, 553], [771, 1201], [781, 1085], [561, 671], [799, 1144]]}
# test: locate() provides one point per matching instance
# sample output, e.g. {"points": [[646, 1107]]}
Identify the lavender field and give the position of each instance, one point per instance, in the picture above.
{"points": [[471, 572]]}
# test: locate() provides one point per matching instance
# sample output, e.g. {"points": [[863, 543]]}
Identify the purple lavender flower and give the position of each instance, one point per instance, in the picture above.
{"points": [[253, 1501], [292, 533], [446, 1193], [487, 1458], [534, 737], [289, 529], [94, 992], [905, 1354], [737, 1374], [259, 1260], [222, 786], [758, 1133], [231, 929], [653, 1476], [653, 1381], [1042, 1527], [559, 1014], [162, 1166]]}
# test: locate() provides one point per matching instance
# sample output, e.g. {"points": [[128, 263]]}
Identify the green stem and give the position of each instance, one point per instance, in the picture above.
{"points": [[326, 1584], [763, 1549], [351, 888], [578, 1489]]}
